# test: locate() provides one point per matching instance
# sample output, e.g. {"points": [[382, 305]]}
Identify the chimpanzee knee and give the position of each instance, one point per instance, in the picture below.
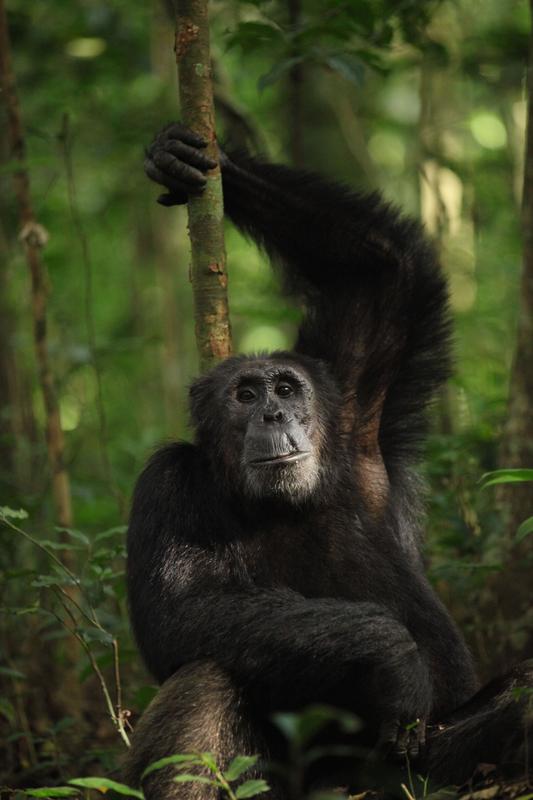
{"points": [[198, 709]]}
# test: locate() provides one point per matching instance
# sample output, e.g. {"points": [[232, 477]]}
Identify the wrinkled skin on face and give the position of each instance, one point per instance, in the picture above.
{"points": [[262, 419], [279, 456]]}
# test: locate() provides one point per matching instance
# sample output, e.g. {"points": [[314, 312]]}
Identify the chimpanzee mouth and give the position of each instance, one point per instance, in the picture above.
{"points": [[284, 458]]}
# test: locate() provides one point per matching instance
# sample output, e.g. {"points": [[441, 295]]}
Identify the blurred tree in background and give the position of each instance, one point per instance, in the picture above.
{"points": [[424, 100]]}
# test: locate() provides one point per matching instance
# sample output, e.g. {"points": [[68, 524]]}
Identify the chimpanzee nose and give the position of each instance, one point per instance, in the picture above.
{"points": [[273, 416]]}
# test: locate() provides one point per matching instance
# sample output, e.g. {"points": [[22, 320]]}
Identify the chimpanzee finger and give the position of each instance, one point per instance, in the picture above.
{"points": [[175, 130], [175, 187], [189, 155], [169, 200], [402, 742], [417, 740], [173, 168]]}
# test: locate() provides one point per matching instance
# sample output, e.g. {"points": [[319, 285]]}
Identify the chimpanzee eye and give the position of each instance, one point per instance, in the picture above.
{"points": [[246, 395], [284, 390]]}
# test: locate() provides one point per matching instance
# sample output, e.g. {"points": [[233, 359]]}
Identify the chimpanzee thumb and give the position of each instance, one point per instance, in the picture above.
{"points": [[171, 200]]}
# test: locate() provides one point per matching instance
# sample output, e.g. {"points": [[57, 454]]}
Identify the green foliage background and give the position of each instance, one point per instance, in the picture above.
{"points": [[423, 100]]}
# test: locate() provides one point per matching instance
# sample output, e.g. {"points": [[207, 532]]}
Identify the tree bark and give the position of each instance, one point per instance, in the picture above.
{"points": [[517, 444], [206, 212], [33, 236]]}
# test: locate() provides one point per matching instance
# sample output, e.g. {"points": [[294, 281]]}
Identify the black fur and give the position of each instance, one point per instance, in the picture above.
{"points": [[247, 602]]}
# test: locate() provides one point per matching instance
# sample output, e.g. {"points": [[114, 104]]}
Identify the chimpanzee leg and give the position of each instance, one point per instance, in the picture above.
{"points": [[198, 709], [494, 727]]}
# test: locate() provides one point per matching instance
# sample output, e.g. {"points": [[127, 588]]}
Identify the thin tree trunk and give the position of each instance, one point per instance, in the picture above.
{"points": [[64, 695], [517, 445], [206, 213], [7, 438], [33, 237]]}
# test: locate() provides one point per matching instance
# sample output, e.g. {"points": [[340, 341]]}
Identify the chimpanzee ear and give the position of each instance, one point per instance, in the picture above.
{"points": [[202, 402]]}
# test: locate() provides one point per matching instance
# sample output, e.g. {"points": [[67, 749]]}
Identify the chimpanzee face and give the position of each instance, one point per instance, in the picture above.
{"points": [[267, 432]]}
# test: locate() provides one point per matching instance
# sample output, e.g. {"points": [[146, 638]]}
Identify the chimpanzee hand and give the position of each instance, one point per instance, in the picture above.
{"points": [[174, 159], [399, 741], [404, 690]]}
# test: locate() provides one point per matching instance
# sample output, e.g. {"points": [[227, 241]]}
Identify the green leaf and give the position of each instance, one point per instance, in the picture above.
{"points": [[103, 784], [331, 751], [110, 533], [7, 710], [20, 612], [96, 635], [347, 67], [303, 726], [277, 72], [144, 696], [251, 788], [287, 723], [189, 759], [187, 778], [519, 692], [238, 766], [62, 724], [506, 476], [209, 760], [316, 717], [51, 791], [11, 513], [11, 673], [51, 545], [253, 36], [524, 529], [53, 580], [78, 535]]}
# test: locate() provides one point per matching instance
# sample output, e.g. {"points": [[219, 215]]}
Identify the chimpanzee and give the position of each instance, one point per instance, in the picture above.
{"points": [[275, 562]]}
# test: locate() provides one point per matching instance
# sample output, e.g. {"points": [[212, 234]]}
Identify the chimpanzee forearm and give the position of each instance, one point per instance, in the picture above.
{"points": [[326, 232], [375, 295], [281, 645]]}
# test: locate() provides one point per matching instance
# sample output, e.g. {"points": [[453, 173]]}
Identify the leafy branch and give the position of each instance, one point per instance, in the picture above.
{"points": [[70, 605]]}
